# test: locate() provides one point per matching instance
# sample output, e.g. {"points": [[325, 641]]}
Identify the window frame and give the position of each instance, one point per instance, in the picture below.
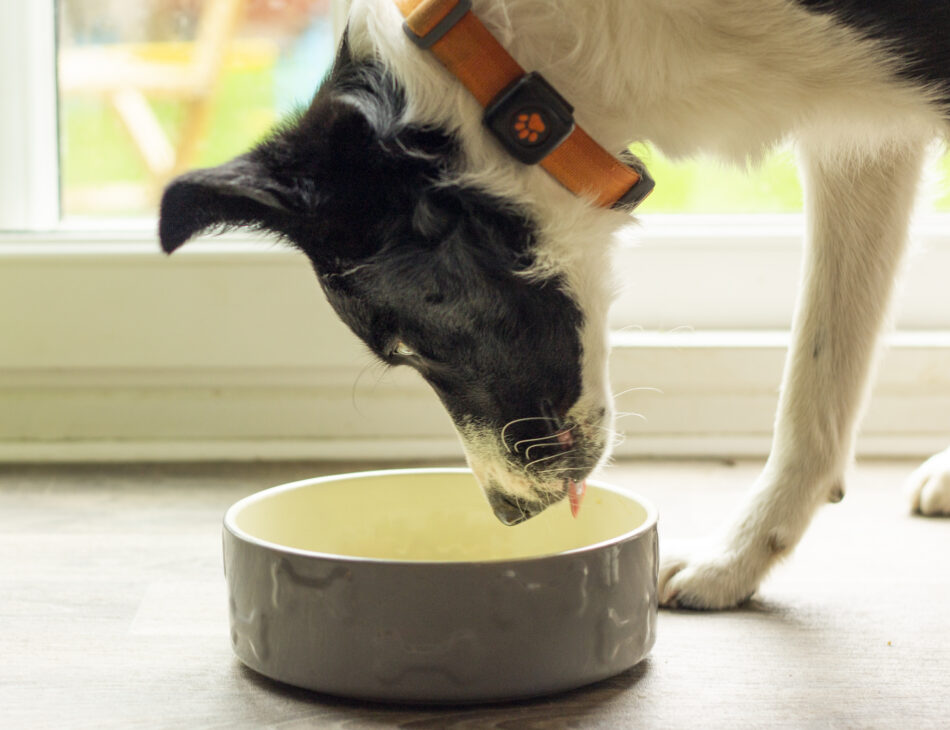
{"points": [[29, 128]]}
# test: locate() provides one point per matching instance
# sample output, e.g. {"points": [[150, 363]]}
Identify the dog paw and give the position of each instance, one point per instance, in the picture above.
{"points": [[929, 486], [704, 578]]}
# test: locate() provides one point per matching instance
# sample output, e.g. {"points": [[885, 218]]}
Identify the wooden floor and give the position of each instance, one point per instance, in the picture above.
{"points": [[113, 615]]}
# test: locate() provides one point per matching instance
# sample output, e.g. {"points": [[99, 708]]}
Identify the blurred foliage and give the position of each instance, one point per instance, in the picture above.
{"points": [[709, 186], [97, 150]]}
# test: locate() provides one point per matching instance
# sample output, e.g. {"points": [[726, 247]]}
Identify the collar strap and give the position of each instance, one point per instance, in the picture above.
{"points": [[530, 119]]}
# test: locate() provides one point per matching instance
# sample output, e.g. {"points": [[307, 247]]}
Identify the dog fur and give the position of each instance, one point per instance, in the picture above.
{"points": [[443, 253]]}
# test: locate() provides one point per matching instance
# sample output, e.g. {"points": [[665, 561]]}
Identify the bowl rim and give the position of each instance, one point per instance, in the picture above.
{"points": [[648, 524]]}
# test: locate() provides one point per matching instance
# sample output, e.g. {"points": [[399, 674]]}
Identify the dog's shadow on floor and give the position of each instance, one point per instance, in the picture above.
{"points": [[754, 607]]}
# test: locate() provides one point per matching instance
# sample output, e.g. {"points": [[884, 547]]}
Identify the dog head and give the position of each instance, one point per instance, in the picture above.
{"points": [[430, 272]]}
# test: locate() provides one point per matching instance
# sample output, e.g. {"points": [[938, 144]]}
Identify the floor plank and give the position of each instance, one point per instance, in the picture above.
{"points": [[113, 613]]}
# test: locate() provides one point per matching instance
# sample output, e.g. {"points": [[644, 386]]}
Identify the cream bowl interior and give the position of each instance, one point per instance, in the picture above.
{"points": [[424, 515]]}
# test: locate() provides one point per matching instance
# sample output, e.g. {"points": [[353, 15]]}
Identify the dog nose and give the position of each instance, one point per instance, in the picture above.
{"points": [[554, 413], [511, 511]]}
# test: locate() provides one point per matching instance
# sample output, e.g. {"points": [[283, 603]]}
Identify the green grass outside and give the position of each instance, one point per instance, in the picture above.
{"points": [[96, 149], [708, 186]]}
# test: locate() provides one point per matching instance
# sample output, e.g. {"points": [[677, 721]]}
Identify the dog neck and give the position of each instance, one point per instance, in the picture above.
{"points": [[726, 78], [435, 98]]}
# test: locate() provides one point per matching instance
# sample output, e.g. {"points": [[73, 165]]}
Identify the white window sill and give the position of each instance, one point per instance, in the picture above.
{"points": [[228, 350]]}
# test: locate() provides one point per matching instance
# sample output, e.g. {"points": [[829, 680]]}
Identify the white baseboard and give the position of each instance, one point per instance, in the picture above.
{"points": [[697, 395]]}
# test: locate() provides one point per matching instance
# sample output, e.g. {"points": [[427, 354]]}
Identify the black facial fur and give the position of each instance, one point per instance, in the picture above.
{"points": [[403, 255], [491, 343]]}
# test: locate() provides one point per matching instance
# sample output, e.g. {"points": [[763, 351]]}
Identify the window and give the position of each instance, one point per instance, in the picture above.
{"points": [[709, 187], [706, 186], [145, 90], [228, 348], [150, 89]]}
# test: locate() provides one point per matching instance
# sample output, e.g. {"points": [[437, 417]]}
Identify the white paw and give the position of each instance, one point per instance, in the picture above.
{"points": [[929, 486], [704, 578]]}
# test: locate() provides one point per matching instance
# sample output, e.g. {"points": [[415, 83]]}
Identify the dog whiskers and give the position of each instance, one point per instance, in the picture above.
{"points": [[519, 420], [640, 387], [548, 458], [557, 470], [543, 438], [616, 437], [555, 444]]}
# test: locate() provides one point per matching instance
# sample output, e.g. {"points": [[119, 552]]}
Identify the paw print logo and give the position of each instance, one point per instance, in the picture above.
{"points": [[529, 127]]}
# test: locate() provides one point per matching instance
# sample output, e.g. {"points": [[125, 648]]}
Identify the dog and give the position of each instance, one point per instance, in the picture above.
{"points": [[444, 253]]}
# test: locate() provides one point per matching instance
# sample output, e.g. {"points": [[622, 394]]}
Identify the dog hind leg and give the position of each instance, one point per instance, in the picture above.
{"points": [[858, 207]]}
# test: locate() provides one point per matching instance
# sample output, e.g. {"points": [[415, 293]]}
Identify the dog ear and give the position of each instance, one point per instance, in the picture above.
{"points": [[326, 153], [238, 193]]}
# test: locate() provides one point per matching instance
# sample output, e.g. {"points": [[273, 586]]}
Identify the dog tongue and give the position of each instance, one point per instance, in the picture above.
{"points": [[575, 494]]}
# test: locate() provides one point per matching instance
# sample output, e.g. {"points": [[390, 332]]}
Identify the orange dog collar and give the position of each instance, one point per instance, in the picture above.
{"points": [[527, 115]]}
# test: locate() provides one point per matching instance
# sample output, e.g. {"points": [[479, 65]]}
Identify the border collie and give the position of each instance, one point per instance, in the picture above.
{"points": [[443, 253]]}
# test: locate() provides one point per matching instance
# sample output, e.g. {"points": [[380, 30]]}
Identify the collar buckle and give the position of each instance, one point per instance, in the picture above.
{"points": [[639, 190], [529, 118], [434, 35]]}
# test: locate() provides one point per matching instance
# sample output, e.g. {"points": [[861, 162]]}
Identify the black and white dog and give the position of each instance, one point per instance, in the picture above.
{"points": [[443, 253]]}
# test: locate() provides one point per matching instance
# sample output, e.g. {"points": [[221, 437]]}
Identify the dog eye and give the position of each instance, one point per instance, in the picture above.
{"points": [[401, 349]]}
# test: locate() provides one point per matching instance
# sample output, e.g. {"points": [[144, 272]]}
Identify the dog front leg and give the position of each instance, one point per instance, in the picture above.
{"points": [[929, 487], [858, 208]]}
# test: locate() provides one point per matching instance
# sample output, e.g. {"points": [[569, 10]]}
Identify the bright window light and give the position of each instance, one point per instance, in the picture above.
{"points": [[150, 89]]}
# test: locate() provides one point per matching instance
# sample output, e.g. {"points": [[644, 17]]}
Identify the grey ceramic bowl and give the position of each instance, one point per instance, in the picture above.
{"points": [[402, 586]]}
